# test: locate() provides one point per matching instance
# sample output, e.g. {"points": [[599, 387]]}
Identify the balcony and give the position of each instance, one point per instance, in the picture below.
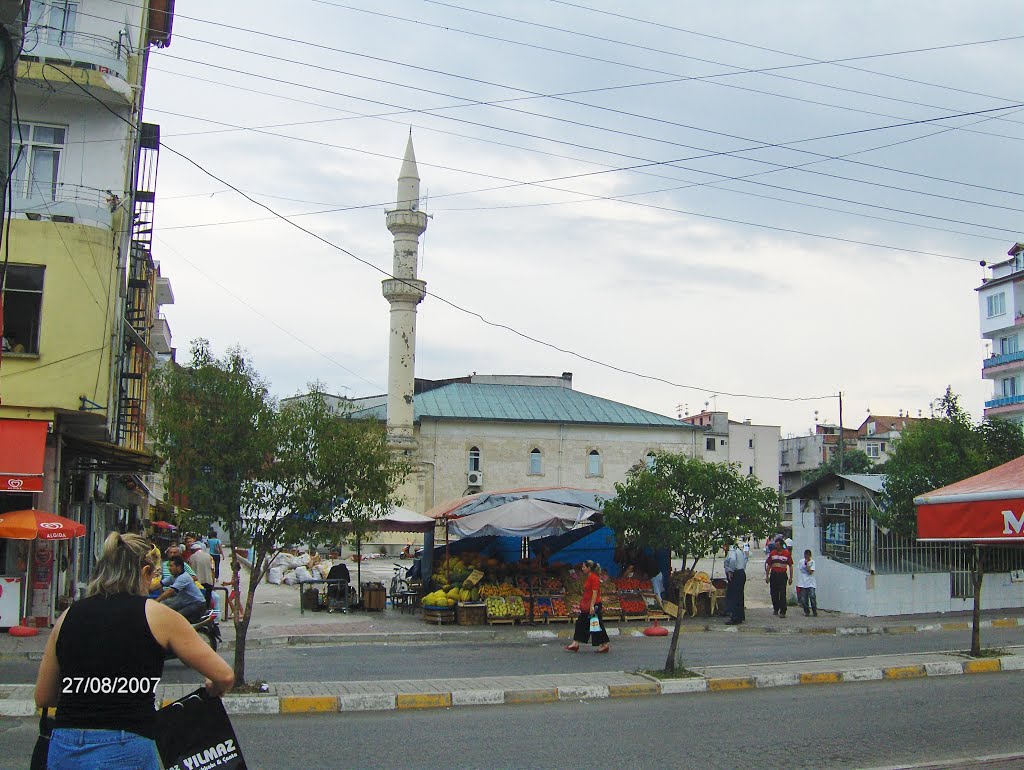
{"points": [[1005, 358], [160, 336], [164, 294], [63, 203], [85, 50], [1006, 401]]}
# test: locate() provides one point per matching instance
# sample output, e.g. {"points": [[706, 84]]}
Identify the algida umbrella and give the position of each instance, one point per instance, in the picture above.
{"points": [[31, 524]]}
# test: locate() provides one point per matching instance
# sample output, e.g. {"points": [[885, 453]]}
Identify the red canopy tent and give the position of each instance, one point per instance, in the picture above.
{"points": [[987, 508]]}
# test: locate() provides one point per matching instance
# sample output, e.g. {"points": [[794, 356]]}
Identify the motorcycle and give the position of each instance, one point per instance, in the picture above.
{"points": [[207, 625]]}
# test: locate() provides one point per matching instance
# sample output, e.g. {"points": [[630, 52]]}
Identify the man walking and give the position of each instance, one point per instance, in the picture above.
{"points": [[202, 565], [776, 567], [736, 571]]}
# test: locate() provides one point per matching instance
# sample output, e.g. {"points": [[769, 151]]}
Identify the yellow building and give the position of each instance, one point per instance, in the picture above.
{"points": [[81, 290]]}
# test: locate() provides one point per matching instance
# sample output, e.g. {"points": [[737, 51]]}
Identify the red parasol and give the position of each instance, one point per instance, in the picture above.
{"points": [[163, 525], [32, 524]]}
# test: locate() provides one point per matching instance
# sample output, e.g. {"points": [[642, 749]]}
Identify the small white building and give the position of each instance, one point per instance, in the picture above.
{"points": [[1001, 311]]}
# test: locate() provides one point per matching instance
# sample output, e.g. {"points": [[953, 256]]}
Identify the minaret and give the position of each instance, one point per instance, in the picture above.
{"points": [[404, 291]]}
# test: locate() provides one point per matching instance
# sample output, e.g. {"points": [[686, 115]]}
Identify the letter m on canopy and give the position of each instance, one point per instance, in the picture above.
{"points": [[1012, 524]]}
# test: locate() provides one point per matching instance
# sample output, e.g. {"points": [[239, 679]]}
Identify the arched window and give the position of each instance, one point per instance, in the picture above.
{"points": [[536, 462], [649, 460], [474, 459], [594, 463]]}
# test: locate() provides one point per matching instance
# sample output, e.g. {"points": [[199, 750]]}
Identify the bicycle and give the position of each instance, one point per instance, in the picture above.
{"points": [[398, 583]]}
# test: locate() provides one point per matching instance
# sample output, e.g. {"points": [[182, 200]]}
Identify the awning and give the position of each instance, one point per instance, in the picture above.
{"points": [[524, 517], [22, 446], [987, 508], [103, 456]]}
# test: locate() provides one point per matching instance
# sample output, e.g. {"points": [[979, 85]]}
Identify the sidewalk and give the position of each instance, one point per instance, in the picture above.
{"points": [[334, 697]]}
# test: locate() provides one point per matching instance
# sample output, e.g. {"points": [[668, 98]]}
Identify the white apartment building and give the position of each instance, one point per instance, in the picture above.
{"points": [[1001, 313]]}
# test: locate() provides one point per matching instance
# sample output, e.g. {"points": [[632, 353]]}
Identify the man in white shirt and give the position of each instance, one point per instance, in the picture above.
{"points": [[807, 584], [736, 571]]}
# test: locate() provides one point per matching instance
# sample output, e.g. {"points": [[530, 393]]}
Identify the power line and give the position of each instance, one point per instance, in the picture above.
{"points": [[441, 299]]}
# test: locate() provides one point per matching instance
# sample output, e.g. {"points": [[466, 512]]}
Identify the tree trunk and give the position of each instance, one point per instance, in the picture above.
{"points": [[979, 575], [670, 661], [242, 623]]}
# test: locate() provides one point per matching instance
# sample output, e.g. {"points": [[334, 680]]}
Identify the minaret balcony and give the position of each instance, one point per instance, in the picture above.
{"points": [[406, 221], [404, 289]]}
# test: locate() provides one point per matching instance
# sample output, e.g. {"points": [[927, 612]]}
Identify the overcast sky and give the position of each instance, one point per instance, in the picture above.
{"points": [[688, 191]]}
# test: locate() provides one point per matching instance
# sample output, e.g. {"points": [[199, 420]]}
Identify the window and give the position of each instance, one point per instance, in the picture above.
{"points": [[53, 21], [1008, 345], [871, 450], [750, 443], [23, 306], [474, 459], [799, 455], [536, 462], [750, 472], [710, 444], [37, 150], [882, 446], [649, 460], [996, 304], [784, 457], [1009, 386], [594, 463]]}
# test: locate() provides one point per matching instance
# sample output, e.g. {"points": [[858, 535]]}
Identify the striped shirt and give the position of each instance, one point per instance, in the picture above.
{"points": [[779, 561]]}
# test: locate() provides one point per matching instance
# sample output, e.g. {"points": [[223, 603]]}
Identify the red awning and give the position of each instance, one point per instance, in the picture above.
{"points": [[987, 508], [22, 445]]}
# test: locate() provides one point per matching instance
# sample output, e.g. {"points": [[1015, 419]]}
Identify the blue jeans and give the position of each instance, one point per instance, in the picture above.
{"points": [[74, 749], [809, 600]]}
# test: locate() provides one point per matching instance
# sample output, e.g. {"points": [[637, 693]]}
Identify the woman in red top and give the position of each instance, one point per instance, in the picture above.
{"points": [[590, 604]]}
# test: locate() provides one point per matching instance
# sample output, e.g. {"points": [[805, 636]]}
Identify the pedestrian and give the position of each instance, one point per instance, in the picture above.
{"points": [[590, 608], [234, 602], [776, 567], [807, 584], [202, 565], [216, 549], [736, 570], [104, 658]]}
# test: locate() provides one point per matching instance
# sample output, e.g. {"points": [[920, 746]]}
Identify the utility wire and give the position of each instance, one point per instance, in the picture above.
{"points": [[441, 299]]}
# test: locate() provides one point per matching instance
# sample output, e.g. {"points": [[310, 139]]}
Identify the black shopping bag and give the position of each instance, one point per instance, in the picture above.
{"points": [[195, 733]]}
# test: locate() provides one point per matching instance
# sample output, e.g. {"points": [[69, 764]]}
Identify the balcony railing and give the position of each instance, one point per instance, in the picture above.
{"points": [[84, 205], [87, 49], [1005, 358], [1005, 401]]}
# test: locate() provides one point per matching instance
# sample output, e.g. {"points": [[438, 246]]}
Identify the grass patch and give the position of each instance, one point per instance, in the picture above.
{"points": [[987, 652], [679, 673]]}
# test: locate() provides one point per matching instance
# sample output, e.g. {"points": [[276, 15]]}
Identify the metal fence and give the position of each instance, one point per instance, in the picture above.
{"points": [[850, 536]]}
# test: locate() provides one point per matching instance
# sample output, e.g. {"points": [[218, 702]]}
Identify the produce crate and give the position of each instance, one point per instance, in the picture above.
{"points": [[633, 606], [471, 613], [611, 614], [560, 612], [439, 615]]}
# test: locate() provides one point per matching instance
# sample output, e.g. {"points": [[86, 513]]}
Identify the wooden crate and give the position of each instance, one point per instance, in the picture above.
{"points": [[501, 621], [470, 614]]}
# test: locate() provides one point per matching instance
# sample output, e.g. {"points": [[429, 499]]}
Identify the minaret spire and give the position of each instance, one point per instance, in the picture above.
{"points": [[404, 291]]}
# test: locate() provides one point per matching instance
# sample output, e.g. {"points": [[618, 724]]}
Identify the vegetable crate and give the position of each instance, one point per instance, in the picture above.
{"points": [[439, 615], [471, 614]]}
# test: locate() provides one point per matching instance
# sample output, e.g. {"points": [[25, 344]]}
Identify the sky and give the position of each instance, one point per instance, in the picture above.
{"points": [[751, 205]]}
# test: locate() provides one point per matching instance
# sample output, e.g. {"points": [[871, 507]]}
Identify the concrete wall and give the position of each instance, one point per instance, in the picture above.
{"points": [[505, 454], [757, 447]]}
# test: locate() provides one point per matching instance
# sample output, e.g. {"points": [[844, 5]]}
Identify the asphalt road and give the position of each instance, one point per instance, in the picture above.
{"points": [[428, 660], [863, 725]]}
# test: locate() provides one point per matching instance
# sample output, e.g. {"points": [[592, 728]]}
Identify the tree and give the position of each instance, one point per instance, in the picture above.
{"points": [[935, 453], [691, 507], [854, 461], [269, 476]]}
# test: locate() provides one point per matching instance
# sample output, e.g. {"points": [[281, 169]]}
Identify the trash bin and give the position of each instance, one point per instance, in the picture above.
{"points": [[374, 596]]}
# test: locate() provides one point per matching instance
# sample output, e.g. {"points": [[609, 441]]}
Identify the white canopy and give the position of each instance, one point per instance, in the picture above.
{"points": [[525, 517]]}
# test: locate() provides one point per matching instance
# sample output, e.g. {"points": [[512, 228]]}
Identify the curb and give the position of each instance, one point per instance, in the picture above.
{"points": [[646, 687]]}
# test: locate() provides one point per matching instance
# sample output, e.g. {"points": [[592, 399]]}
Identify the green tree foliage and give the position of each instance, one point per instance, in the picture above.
{"points": [[941, 451], [691, 507], [854, 461], [270, 476]]}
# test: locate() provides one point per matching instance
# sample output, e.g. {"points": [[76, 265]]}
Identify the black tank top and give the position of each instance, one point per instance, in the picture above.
{"points": [[109, 665]]}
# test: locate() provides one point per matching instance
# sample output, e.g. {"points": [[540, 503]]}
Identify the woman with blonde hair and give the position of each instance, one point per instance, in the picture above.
{"points": [[104, 660]]}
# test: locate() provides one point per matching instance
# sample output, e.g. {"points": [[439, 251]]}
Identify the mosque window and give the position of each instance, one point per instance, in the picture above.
{"points": [[594, 463], [474, 459]]}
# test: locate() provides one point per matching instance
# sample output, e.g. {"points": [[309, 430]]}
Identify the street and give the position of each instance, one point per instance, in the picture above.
{"points": [[863, 725], [429, 660]]}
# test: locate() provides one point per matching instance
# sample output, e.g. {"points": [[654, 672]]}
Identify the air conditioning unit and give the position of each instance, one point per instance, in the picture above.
{"points": [[475, 478]]}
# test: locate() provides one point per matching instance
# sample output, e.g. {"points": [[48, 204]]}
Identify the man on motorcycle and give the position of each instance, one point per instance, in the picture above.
{"points": [[181, 593]]}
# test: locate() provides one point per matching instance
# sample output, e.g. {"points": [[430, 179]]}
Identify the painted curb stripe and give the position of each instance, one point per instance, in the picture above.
{"points": [[901, 630], [478, 697], [903, 672], [1005, 623], [427, 700], [822, 677], [731, 683], [981, 666], [583, 692], [367, 702], [862, 675], [633, 690], [956, 626], [531, 696], [308, 704]]}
